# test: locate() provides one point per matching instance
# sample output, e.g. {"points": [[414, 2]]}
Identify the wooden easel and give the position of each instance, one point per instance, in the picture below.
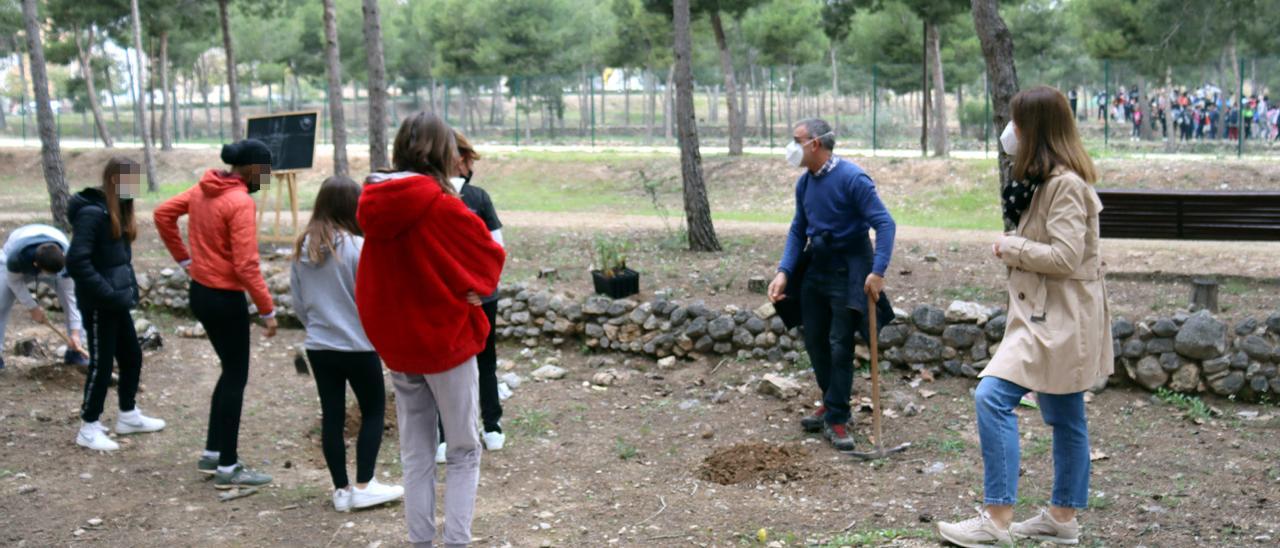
{"points": [[282, 179]]}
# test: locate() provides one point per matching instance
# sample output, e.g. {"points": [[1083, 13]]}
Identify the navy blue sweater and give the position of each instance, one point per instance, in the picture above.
{"points": [[843, 202]]}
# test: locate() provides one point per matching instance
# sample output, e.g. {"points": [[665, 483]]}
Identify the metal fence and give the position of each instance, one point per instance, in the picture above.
{"points": [[873, 108]]}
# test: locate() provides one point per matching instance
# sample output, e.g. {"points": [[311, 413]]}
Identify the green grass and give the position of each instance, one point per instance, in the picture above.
{"points": [[972, 208], [872, 537], [952, 445], [624, 450], [1040, 445], [1193, 408], [534, 423]]}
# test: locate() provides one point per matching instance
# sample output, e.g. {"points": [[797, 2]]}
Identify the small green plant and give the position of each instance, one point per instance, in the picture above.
{"points": [[875, 537], [1040, 445], [625, 450], [611, 255], [1193, 407], [534, 423]]}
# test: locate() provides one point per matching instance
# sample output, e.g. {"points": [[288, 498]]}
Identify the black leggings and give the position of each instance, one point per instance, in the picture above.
{"points": [[487, 361], [333, 370], [225, 316], [111, 338]]}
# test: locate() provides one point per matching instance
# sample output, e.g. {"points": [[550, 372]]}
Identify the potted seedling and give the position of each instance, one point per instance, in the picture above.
{"points": [[611, 276]]}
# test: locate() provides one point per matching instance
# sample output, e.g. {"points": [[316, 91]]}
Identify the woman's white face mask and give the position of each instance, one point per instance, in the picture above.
{"points": [[1009, 139], [457, 183]]}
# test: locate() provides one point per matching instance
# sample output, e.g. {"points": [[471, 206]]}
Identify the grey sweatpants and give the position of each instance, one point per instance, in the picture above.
{"points": [[453, 397]]}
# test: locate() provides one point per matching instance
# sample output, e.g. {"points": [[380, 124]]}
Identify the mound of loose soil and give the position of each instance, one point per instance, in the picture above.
{"points": [[754, 462]]}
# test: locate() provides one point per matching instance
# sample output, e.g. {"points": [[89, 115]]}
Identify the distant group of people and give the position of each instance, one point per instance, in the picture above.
{"points": [[1202, 114], [402, 271]]}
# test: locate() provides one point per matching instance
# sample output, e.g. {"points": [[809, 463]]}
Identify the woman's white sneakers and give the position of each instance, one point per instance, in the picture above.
{"points": [[493, 441], [342, 499], [354, 498], [93, 435], [374, 494], [134, 422]]}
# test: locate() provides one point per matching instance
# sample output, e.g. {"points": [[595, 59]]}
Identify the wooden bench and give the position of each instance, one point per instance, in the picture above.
{"points": [[1190, 215]]}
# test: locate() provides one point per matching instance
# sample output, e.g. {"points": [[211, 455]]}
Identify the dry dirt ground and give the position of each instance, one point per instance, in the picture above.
{"points": [[679, 457]]}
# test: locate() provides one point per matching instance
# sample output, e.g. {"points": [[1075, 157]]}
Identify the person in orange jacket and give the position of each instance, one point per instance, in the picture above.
{"points": [[223, 263]]}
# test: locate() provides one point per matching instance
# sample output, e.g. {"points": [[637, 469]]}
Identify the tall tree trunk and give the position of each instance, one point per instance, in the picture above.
{"points": [[150, 95], [604, 101], [233, 89], [651, 106], [997, 50], [86, 72], [697, 210], [583, 106], [333, 64], [941, 146], [791, 80], [626, 100], [50, 152], [166, 129], [730, 85], [1148, 113], [111, 88], [762, 93], [202, 77], [668, 102], [140, 111], [377, 86], [835, 82]]}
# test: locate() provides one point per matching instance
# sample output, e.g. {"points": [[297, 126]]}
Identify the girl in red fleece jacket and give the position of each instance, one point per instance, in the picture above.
{"points": [[425, 263]]}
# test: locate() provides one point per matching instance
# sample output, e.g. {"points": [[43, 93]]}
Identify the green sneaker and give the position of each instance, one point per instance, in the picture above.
{"points": [[207, 465], [240, 476]]}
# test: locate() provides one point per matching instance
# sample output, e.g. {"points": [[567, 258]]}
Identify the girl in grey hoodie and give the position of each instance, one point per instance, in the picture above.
{"points": [[323, 281]]}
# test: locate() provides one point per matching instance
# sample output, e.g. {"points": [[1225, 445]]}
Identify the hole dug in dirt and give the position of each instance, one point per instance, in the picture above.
{"points": [[751, 462]]}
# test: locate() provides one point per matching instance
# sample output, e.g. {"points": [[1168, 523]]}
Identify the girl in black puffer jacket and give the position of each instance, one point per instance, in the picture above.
{"points": [[100, 260]]}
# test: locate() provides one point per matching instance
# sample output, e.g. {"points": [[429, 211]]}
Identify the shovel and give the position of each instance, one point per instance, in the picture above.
{"points": [[62, 335], [880, 450]]}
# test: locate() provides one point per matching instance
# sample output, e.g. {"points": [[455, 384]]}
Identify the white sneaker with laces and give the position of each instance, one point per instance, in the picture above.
{"points": [[494, 441], [1044, 528], [94, 436], [134, 422], [374, 494], [442, 453], [342, 499], [975, 532]]}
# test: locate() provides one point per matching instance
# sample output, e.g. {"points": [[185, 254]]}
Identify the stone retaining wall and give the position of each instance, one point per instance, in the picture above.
{"points": [[1184, 353]]}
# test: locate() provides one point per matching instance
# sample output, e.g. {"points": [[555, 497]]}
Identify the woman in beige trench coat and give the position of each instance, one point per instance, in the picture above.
{"points": [[1057, 342]]}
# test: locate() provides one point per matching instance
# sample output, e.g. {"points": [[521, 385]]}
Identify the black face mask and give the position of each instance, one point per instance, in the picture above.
{"points": [[254, 187]]}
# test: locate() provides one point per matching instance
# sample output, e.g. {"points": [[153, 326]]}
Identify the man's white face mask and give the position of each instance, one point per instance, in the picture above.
{"points": [[1009, 140], [795, 151]]}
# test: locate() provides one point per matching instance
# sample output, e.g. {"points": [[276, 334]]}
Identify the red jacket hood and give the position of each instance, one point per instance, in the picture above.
{"points": [[393, 202], [216, 181]]}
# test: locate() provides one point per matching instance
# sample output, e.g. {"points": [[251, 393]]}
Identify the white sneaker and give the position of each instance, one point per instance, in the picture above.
{"points": [[134, 422], [94, 436], [442, 453], [342, 499], [374, 494], [493, 441]]}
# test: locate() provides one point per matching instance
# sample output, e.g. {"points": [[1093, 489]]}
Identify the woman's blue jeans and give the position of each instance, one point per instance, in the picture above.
{"points": [[998, 431]]}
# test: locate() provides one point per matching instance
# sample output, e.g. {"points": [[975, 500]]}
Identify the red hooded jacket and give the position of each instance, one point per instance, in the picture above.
{"points": [[223, 228], [423, 252]]}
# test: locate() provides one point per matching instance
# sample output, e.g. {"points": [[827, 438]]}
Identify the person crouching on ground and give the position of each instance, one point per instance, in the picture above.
{"points": [[427, 260], [836, 206], [37, 253], [1058, 338]]}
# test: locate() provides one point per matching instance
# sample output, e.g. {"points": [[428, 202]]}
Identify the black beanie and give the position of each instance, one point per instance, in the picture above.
{"points": [[246, 152]]}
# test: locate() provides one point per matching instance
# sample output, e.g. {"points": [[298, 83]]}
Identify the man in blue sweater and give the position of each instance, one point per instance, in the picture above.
{"points": [[836, 207]]}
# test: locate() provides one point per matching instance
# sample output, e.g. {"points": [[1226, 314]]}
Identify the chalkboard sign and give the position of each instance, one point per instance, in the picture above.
{"points": [[291, 136]]}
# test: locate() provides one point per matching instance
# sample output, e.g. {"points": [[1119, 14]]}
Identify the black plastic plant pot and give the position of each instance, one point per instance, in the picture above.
{"points": [[621, 285]]}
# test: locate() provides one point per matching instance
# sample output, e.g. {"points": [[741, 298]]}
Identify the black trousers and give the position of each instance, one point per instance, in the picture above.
{"points": [[333, 371], [487, 361], [111, 337], [225, 316]]}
